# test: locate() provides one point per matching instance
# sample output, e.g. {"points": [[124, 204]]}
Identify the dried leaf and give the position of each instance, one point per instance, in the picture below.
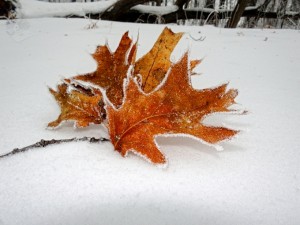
{"points": [[153, 66], [134, 122], [112, 69], [76, 106], [176, 108]]}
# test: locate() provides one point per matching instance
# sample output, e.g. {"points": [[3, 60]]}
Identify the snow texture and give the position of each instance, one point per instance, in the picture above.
{"points": [[156, 10], [34, 8], [255, 180]]}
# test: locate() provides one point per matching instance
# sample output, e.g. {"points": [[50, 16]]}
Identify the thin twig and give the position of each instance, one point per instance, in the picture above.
{"points": [[202, 38], [43, 143]]}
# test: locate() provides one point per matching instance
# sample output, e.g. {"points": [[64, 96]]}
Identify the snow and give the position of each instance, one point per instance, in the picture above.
{"points": [[37, 9], [156, 10], [254, 180], [34, 8]]}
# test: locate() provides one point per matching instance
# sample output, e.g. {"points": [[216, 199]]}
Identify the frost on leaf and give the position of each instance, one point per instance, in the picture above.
{"points": [[112, 69], [148, 107], [76, 106], [175, 108]]}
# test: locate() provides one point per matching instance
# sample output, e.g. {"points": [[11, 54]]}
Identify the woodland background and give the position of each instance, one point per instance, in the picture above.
{"points": [[220, 13]]}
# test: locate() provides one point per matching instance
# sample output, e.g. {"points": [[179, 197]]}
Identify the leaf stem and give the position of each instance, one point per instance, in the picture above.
{"points": [[43, 143]]}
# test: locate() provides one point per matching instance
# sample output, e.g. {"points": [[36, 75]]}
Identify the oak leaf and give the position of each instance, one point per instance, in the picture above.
{"points": [[158, 98], [112, 69], [175, 108], [110, 73], [77, 106], [153, 66]]}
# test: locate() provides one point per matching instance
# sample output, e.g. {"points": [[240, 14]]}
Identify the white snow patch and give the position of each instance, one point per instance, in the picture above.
{"points": [[34, 8], [156, 10], [158, 165], [216, 146]]}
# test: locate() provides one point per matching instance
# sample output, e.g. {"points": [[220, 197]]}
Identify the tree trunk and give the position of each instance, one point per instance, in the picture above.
{"points": [[6, 7], [237, 13], [120, 8], [181, 3]]}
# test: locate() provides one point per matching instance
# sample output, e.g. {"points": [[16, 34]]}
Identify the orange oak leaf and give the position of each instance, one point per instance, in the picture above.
{"points": [[77, 106], [175, 108], [112, 69], [153, 66]]}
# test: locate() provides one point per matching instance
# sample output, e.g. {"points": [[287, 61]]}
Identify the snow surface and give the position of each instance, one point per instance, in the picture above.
{"points": [[156, 10], [255, 180], [34, 8], [37, 9]]}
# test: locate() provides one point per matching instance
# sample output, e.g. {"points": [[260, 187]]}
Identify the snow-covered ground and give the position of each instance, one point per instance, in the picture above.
{"points": [[38, 9], [255, 180]]}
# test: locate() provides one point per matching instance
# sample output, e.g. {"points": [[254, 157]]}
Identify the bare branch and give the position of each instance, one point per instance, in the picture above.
{"points": [[43, 143]]}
